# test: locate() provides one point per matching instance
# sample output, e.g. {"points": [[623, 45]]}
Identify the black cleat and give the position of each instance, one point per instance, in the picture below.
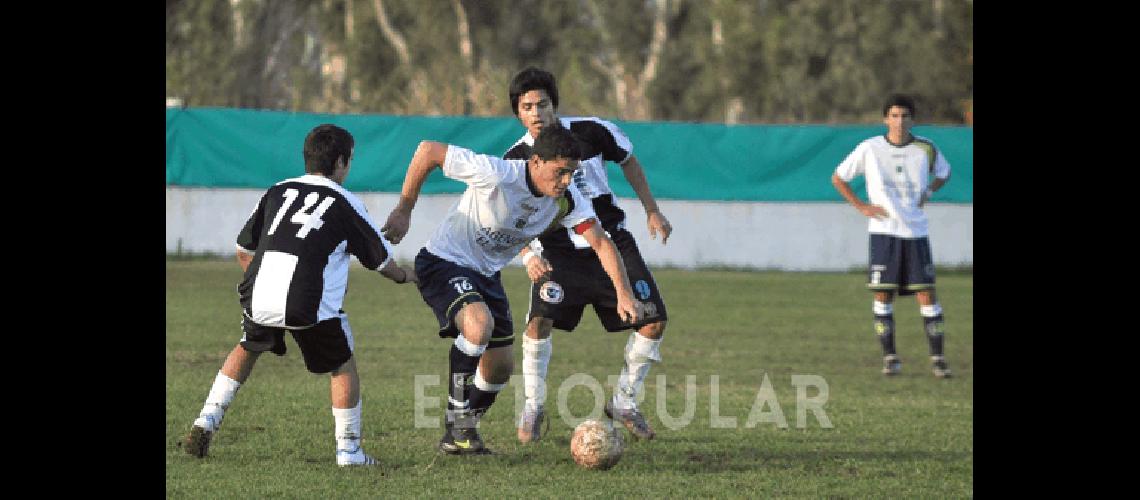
{"points": [[462, 441]]}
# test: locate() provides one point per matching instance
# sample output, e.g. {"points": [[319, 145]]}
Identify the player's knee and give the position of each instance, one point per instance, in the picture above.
{"points": [[539, 328], [653, 330], [475, 323]]}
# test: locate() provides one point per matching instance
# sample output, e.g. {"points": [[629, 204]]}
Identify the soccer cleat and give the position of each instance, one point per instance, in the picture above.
{"points": [[939, 367], [356, 457], [197, 442], [462, 441], [633, 421], [530, 424], [892, 365]]}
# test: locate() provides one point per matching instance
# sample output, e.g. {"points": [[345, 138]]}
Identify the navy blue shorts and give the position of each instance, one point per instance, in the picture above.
{"points": [[902, 265], [579, 279], [324, 346], [447, 286]]}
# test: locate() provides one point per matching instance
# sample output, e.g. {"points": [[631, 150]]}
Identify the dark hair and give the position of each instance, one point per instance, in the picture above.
{"points": [[530, 79], [556, 142], [324, 145], [900, 100]]}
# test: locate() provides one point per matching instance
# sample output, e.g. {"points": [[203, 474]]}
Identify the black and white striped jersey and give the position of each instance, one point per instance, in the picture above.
{"points": [[301, 235], [600, 141]]}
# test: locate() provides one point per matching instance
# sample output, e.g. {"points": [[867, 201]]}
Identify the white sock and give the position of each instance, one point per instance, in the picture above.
{"points": [[930, 311], [221, 394], [536, 357], [639, 352], [347, 423]]}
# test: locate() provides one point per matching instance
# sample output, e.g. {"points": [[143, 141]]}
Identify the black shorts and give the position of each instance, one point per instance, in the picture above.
{"points": [[898, 264], [324, 346], [579, 279], [447, 286]]}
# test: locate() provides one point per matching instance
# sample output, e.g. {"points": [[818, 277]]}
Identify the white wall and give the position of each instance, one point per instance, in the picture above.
{"points": [[787, 236]]}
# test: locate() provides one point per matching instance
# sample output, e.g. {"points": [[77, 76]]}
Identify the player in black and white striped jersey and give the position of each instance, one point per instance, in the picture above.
{"points": [[565, 270], [295, 249]]}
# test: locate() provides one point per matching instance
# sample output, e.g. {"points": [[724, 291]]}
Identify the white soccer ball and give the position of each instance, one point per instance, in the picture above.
{"points": [[596, 445]]}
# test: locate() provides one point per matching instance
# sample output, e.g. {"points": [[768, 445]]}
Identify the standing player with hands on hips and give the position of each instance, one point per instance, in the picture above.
{"points": [[507, 204], [295, 251], [565, 270], [902, 172]]}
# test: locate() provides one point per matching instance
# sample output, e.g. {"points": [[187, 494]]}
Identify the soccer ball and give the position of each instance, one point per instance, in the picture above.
{"points": [[596, 445]]}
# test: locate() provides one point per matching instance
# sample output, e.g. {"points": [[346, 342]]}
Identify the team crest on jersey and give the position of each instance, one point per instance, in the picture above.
{"points": [[551, 292], [929, 269], [642, 288]]}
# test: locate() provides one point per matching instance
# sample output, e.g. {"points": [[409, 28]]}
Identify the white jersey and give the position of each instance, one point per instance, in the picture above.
{"points": [[896, 176], [498, 214]]}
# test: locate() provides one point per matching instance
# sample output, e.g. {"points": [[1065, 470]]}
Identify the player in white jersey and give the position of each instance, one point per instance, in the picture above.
{"points": [[295, 251], [507, 204], [565, 270], [902, 171]]}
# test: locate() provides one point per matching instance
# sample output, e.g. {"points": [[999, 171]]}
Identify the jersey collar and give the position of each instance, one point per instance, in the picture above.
{"points": [[908, 141]]}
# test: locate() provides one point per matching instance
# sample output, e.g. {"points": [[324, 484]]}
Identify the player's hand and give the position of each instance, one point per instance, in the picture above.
{"points": [[397, 225], [538, 267], [657, 222], [874, 211], [629, 309]]}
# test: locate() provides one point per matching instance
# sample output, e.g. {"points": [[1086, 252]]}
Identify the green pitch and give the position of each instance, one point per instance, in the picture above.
{"points": [[908, 436]]}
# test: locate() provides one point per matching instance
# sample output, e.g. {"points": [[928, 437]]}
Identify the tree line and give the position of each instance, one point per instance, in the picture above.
{"points": [[715, 61]]}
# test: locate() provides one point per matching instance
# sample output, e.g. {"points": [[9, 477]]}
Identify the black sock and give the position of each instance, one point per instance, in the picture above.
{"points": [[462, 371], [934, 333], [481, 400], [885, 329]]}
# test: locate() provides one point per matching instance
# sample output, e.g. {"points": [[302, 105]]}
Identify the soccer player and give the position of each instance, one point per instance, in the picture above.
{"points": [[901, 171], [565, 270], [507, 203], [295, 251]]}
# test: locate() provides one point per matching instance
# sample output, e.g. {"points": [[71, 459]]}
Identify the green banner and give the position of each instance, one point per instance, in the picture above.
{"points": [[239, 148]]}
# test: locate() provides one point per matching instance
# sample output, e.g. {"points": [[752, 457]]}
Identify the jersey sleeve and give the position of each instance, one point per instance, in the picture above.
{"points": [[478, 170], [615, 146], [941, 166], [247, 238], [852, 165], [364, 238], [582, 211]]}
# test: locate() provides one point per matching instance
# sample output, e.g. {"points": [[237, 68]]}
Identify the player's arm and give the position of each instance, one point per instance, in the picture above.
{"points": [[934, 186], [400, 275], [848, 194], [628, 308], [536, 265], [429, 155], [655, 220]]}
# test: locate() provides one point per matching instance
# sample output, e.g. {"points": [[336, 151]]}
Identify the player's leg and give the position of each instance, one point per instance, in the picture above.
{"points": [[344, 391], [883, 278], [919, 270], [931, 312], [555, 302], [883, 311], [536, 348], [328, 347], [234, 372], [643, 347], [475, 323]]}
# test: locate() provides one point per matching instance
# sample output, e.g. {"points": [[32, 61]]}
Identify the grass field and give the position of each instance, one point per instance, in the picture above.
{"points": [[908, 436]]}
